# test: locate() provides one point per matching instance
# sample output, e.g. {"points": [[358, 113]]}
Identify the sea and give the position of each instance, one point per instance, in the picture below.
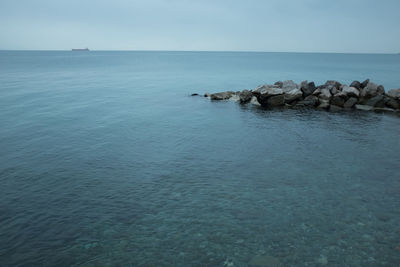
{"points": [[107, 160]]}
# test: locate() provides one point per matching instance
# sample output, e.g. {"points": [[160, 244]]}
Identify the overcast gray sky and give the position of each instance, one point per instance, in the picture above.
{"points": [[361, 26]]}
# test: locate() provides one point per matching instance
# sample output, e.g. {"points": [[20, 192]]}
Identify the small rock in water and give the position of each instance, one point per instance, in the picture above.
{"points": [[228, 263], [323, 260], [264, 261], [195, 94]]}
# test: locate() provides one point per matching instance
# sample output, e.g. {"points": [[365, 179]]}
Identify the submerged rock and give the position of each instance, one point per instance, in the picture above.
{"points": [[322, 260], [264, 261]]}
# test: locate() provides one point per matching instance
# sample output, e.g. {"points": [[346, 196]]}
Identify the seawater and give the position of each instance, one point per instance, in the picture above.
{"points": [[105, 160]]}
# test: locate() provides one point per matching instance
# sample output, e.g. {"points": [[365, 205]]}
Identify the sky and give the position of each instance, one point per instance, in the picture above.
{"points": [[341, 26]]}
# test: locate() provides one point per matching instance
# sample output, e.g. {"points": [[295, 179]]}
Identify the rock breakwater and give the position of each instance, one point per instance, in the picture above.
{"points": [[332, 95]]}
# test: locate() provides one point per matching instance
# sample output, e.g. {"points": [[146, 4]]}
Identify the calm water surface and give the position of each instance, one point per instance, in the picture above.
{"points": [[105, 160]]}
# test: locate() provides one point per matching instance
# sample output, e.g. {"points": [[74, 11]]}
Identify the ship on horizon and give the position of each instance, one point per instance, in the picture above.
{"points": [[80, 49]]}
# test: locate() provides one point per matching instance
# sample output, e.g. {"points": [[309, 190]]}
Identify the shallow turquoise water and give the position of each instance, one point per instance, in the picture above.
{"points": [[105, 160]]}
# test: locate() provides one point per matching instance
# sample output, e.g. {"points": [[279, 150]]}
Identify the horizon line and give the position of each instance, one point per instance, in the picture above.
{"points": [[217, 51]]}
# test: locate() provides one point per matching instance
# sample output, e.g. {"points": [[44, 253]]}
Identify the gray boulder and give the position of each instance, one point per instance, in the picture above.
{"points": [[356, 84], [317, 92], [381, 89], [207, 95], [392, 103], [278, 84], [394, 93], [370, 90], [325, 94], [331, 83], [289, 85], [351, 91], [309, 101], [235, 97], [275, 101], [264, 92], [293, 95], [245, 96], [222, 95], [334, 90], [307, 88], [350, 102], [377, 101], [364, 83], [339, 99], [268, 90]]}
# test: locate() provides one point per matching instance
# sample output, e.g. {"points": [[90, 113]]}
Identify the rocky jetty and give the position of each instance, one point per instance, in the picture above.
{"points": [[332, 95]]}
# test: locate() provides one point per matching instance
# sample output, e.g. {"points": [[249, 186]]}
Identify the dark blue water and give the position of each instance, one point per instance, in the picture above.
{"points": [[106, 161]]}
